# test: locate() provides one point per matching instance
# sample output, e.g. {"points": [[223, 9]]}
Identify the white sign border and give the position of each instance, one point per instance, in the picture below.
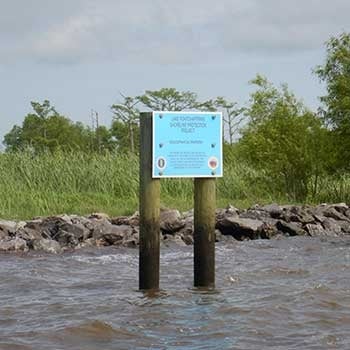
{"points": [[156, 176]]}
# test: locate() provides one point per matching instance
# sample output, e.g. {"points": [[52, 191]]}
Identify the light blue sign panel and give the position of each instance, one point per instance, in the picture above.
{"points": [[187, 144]]}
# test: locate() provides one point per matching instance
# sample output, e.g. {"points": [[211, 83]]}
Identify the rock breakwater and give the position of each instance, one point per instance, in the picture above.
{"points": [[61, 233]]}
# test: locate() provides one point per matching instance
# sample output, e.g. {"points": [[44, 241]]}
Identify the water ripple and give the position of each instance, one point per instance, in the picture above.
{"points": [[278, 294]]}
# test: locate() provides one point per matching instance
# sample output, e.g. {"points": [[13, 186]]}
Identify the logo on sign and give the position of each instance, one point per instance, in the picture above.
{"points": [[161, 163], [213, 163]]}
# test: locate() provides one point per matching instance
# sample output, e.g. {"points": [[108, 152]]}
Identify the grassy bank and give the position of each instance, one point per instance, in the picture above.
{"points": [[84, 183]]}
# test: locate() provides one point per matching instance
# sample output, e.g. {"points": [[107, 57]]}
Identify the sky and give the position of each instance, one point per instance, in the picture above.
{"points": [[81, 54]]}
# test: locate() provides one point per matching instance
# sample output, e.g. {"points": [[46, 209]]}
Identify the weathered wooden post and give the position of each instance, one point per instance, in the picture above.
{"points": [[179, 144], [149, 210], [204, 232]]}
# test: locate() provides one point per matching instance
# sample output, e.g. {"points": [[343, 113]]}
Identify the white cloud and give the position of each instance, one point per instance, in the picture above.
{"points": [[70, 38], [163, 31]]}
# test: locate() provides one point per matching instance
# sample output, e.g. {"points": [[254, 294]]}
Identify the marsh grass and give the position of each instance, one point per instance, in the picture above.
{"points": [[80, 183], [333, 189]]}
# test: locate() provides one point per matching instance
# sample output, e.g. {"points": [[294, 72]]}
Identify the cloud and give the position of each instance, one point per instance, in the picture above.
{"points": [[163, 31], [294, 26]]}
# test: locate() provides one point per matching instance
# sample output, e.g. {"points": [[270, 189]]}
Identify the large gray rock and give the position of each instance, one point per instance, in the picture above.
{"points": [[266, 215], [274, 210], [28, 234], [48, 227], [171, 221], [8, 227], [334, 211], [98, 227], [133, 220], [296, 214], [108, 234], [99, 216], [121, 220], [255, 214], [341, 207], [78, 230], [46, 245], [347, 213], [187, 234], [88, 243], [269, 229], [305, 216], [345, 226], [291, 229], [133, 240], [240, 228], [4, 235], [331, 212], [332, 227], [35, 224], [68, 230], [315, 230], [219, 213], [14, 245], [170, 240], [119, 235], [66, 239]]}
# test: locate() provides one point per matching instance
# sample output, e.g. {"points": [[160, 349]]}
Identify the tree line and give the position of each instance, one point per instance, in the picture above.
{"points": [[274, 132]]}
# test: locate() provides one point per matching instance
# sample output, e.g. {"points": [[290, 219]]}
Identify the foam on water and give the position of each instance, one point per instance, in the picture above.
{"points": [[106, 259]]}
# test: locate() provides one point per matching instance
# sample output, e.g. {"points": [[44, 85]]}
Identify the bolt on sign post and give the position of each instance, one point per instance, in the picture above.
{"points": [[179, 144]]}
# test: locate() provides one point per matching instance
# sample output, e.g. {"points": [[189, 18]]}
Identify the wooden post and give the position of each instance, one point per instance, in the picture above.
{"points": [[204, 232], [149, 210]]}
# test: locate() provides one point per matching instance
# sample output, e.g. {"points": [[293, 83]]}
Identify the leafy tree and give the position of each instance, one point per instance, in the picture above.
{"points": [[284, 139], [45, 129], [335, 72], [103, 140], [44, 110], [126, 114], [34, 131], [125, 127], [35, 125], [169, 99], [233, 117], [13, 139], [120, 133]]}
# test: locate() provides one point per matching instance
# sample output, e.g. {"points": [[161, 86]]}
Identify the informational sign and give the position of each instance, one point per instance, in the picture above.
{"points": [[187, 144]]}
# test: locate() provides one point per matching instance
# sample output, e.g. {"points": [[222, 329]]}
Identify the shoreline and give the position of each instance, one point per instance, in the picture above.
{"points": [[57, 234]]}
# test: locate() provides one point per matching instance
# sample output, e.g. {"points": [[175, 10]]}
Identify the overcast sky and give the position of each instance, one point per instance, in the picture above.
{"points": [[80, 54]]}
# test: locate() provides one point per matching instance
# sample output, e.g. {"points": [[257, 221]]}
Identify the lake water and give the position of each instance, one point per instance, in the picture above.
{"points": [[279, 294]]}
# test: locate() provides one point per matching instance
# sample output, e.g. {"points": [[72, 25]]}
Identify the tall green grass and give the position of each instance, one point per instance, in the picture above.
{"points": [[80, 183], [333, 189]]}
